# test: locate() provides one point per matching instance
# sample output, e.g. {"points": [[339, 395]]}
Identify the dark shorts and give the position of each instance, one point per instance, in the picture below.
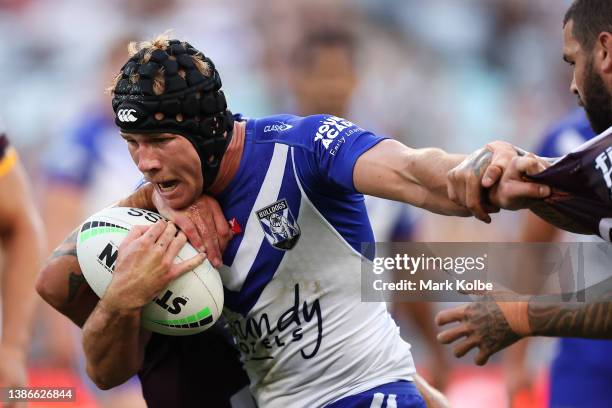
{"points": [[189, 371]]}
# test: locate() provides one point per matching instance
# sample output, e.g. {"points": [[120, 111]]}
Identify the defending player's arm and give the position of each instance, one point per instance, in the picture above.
{"points": [[22, 238], [438, 181], [62, 284], [113, 339], [493, 325]]}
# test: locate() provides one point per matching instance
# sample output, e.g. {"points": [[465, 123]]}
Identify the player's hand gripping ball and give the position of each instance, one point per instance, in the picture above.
{"points": [[190, 304]]}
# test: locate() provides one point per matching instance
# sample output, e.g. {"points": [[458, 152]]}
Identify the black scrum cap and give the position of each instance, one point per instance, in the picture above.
{"points": [[192, 104]]}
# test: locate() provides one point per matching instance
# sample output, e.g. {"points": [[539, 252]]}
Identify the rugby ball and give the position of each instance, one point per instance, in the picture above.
{"points": [[190, 304]]}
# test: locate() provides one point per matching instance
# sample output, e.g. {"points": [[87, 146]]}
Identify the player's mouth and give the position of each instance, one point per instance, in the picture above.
{"points": [[167, 187]]}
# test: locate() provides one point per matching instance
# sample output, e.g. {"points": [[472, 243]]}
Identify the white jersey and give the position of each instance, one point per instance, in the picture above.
{"points": [[293, 284]]}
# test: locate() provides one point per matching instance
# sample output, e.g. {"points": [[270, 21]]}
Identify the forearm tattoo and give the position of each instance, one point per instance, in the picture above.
{"points": [[75, 281], [68, 247], [591, 319], [75, 278], [479, 161]]}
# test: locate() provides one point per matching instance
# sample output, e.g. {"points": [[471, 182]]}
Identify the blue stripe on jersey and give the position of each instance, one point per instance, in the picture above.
{"points": [[268, 258], [239, 197], [326, 149], [238, 201]]}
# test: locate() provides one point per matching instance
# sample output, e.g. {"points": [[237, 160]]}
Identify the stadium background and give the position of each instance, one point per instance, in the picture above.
{"points": [[436, 73]]}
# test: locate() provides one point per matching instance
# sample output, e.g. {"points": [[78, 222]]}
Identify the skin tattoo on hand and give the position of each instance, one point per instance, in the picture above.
{"points": [[480, 161], [490, 327]]}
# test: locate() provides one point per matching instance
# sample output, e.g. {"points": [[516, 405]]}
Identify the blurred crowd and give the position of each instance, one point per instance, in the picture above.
{"points": [[429, 73]]}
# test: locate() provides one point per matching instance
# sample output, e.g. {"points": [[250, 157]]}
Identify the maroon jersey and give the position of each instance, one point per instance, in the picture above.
{"points": [[582, 185], [192, 371]]}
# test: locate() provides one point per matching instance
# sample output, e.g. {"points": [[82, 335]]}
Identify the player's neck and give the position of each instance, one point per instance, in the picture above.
{"points": [[231, 160]]}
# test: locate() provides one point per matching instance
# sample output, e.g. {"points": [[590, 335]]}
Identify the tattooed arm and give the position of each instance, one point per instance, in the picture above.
{"points": [[495, 167], [492, 325], [61, 282], [592, 318]]}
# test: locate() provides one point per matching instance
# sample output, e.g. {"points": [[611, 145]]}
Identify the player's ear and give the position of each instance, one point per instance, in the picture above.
{"points": [[604, 52]]}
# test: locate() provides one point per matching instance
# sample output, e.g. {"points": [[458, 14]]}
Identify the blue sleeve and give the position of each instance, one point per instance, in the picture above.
{"points": [[337, 144]]}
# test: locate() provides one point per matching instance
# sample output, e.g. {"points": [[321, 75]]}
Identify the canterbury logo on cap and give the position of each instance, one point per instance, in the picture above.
{"points": [[126, 115]]}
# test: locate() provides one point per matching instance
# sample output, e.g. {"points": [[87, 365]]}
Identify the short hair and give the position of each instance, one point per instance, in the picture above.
{"points": [[159, 42], [590, 17], [327, 37]]}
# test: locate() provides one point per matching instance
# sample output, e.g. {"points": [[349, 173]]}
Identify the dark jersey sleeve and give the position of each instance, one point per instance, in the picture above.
{"points": [[582, 186]]}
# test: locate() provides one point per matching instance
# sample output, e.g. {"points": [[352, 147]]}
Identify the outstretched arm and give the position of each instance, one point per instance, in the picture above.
{"points": [[418, 177], [437, 181]]}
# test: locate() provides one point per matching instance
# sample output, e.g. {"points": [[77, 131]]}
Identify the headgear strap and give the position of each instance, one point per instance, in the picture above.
{"points": [[192, 104]]}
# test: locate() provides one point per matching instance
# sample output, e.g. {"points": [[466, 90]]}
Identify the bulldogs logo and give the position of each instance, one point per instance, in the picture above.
{"points": [[279, 226]]}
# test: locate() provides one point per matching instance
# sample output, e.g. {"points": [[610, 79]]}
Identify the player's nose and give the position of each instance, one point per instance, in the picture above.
{"points": [[574, 87], [148, 161]]}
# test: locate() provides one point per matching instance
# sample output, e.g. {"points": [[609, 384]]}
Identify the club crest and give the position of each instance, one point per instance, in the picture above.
{"points": [[279, 226]]}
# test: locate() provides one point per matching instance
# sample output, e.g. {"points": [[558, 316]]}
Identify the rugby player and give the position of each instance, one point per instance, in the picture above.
{"points": [[585, 207], [323, 78], [22, 239], [171, 371], [292, 299], [581, 371]]}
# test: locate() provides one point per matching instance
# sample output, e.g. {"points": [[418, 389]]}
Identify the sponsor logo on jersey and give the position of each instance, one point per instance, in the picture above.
{"points": [[277, 127], [333, 132], [256, 335], [603, 163], [279, 225]]}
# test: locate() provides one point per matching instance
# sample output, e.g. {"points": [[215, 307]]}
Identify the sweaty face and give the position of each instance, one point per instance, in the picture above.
{"points": [[587, 83], [171, 163]]}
